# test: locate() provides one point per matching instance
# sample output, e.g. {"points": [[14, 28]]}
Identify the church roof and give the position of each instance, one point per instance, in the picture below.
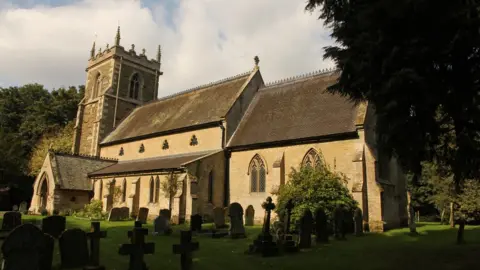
{"points": [[70, 171], [201, 105], [152, 164], [295, 109]]}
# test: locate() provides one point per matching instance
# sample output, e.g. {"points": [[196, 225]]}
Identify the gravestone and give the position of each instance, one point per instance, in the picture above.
{"points": [[46, 254], [219, 217], [235, 212], [161, 225], [185, 248], [95, 235], [137, 249], [166, 213], [306, 227], [289, 244], [264, 243], [23, 208], [142, 215], [137, 224], [338, 217], [249, 216], [73, 248], [15, 208], [124, 213], [348, 222], [196, 222], [321, 226], [54, 225], [358, 222], [115, 214], [11, 220], [23, 249]]}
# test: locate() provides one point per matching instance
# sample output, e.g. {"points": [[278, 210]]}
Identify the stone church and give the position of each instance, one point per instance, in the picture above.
{"points": [[233, 140]]}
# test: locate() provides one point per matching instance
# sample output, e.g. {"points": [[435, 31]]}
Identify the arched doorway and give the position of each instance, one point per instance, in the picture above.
{"points": [[43, 194]]}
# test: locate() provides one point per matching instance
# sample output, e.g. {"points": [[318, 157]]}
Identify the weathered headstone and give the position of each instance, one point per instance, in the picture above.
{"points": [[358, 222], [348, 222], [264, 243], [124, 213], [46, 254], [95, 235], [166, 213], [249, 216], [196, 222], [54, 225], [219, 217], [289, 244], [142, 215], [321, 228], [23, 247], [137, 249], [306, 227], [73, 248], [115, 214], [235, 212], [23, 208], [11, 220], [15, 208], [161, 225], [338, 217], [185, 248]]}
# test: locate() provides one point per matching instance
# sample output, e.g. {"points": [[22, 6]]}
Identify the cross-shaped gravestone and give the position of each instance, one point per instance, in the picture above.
{"points": [[138, 225], [95, 235], [268, 206], [185, 248], [289, 208], [137, 249]]}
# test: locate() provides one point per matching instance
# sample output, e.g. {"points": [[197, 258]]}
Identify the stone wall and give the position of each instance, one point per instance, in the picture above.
{"points": [[72, 199]]}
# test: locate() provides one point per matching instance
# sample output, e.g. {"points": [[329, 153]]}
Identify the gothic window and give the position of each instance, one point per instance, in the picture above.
{"points": [[100, 188], [134, 86], [43, 193], [157, 189], [152, 189], [311, 159], [210, 187], [258, 174], [142, 148], [98, 86], [120, 153], [124, 190], [165, 145], [193, 140]]}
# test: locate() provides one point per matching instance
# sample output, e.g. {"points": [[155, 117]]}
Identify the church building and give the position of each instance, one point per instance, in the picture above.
{"points": [[233, 140]]}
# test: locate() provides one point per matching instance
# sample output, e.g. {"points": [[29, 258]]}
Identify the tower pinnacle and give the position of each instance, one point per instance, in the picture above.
{"points": [[92, 51], [117, 37], [159, 53]]}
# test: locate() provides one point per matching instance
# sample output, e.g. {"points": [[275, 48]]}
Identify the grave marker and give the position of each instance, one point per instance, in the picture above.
{"points": [[249, 216], [264, 243], [124, 213], [23, 208], [115, 214], [196, 223], [11, 220], [142, 215], [137, 249], [95, 235], [237, 230], [73, 248], [219, 217], [185, 248], [338, 217], [306, 227], [321, 229], [54, 225], [289, 244], [358, 222]]}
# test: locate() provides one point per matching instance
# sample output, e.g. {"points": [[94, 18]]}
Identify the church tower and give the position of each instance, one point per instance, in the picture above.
{"points": [[118, 80]]}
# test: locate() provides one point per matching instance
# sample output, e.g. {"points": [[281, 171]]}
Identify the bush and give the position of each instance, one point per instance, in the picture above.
{"points": [[44, 212], [315, 188], [93, 210]]}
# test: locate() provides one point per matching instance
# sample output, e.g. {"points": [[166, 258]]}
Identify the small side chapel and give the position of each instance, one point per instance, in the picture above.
{"points": [[234, 140]]}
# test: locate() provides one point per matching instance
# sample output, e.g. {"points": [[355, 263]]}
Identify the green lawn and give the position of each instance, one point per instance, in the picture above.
{"points": [[434, 248]]}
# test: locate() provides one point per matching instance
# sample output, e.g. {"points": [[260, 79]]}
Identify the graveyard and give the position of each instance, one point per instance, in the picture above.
{"points": [[432, 248]]}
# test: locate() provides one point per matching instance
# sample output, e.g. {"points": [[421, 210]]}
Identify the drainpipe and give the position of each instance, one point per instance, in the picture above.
{"points": [[118, 88]]}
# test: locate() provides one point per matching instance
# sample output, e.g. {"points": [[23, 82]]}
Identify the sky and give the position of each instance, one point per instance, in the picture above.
{"points": [[49, 41]]}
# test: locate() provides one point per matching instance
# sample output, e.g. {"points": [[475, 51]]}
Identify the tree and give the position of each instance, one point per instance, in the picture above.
{"points": [[59, 140], [170, 188], [417, 63], [314, 188]]}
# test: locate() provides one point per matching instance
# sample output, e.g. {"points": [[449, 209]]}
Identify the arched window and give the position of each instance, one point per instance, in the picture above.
{"points": [[98, 86], [258, 174], [157, 189], [311, 159], [210, 187], [124, 190], [100, 188], [134, 86], [152, 189], [43, 194]]}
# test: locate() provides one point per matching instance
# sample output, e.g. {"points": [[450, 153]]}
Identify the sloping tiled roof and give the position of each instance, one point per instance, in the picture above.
{"points": [[295, 109], [201, 105], [151, 164], [70, 171]]}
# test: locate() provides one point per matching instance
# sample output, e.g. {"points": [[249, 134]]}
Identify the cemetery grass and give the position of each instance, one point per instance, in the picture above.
{"points": [[433, 248]]}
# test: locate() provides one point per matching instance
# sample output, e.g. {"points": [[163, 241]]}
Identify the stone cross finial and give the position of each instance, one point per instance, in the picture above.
{"points": [[117, 37], [133, 48], [185, 249], [257, 60], [95, 235], [143, 51]]}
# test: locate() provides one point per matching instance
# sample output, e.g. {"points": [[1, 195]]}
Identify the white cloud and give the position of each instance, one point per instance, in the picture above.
{"points": [[212, 39]]}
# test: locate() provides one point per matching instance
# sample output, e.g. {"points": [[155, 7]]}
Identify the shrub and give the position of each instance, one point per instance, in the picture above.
{"points": [[315, 188], [44, 212], [93, 210]]}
